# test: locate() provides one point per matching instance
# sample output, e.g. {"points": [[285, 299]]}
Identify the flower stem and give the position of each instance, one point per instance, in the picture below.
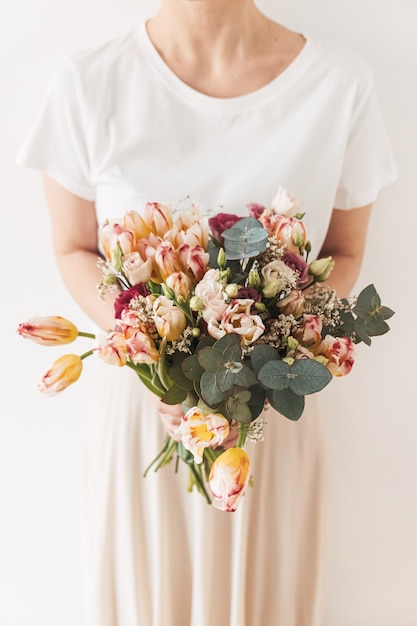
{"points": [[89, 335], [86, 354], [241, 437]]}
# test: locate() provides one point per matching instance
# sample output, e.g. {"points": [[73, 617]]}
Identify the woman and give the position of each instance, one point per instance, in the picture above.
{"points": [[214, 102]]}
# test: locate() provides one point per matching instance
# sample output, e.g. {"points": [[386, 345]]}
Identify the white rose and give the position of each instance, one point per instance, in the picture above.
{"points": [[285, 203], [279, 274], [136, 269], [210, 291]]}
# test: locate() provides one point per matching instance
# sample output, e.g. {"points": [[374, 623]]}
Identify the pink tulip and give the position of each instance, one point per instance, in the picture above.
{"points": [[340, 351], [135, 223], [116, 240], [180, 283], [158, 217], [63, 372], [48, 331], [166, 259], [140, 347], [111, 348], [169, 320], [194, 261], [229, 478]]}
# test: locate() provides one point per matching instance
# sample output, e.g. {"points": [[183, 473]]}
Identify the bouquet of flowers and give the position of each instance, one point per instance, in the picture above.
{"points": [[224, 315]]}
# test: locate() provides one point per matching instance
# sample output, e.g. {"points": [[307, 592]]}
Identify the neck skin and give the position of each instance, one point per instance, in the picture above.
{"points": [[227, 29]]}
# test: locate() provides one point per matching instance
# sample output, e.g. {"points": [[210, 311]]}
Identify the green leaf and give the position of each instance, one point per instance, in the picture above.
{"points": [[362, 311], [238, 411], [176, 373], [257, 401], [225, 379], [387, 312], [175, 395], [261, 354], [366, 296], [246, 377], [287, 403], [226, 341], [308, 376], [210, 359], [275, 375], [192, 368], [205, 342], [375, 327], [232, 353], [209, 391], [243, 396], [361, 331]]}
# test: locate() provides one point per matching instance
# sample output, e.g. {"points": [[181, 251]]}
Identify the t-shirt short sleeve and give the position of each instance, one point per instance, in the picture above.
{"points": [[56, 143], [368, 164]]}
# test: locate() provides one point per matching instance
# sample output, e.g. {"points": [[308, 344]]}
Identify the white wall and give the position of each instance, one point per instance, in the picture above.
{"points": [[372, 426]]}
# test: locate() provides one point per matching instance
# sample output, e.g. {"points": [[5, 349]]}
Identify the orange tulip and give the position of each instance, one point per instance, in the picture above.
{"points": [[48, 331], [63, 372], [229, 477]]}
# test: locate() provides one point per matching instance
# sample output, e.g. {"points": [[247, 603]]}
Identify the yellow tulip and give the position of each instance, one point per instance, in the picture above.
{"points": [[229, 477], [63, 372], [48, 331]]}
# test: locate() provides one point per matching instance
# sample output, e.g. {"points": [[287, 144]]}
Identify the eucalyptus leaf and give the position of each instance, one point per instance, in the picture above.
{"points": [[209, 391], [228, 340], [239, 411], [174, 395], [365, 297], [192, 368], [205, 342], [246, 377], [308, 376], [176, 373], [261, 354], [210, 359], [275, 375], [287, 403], [225, 379], [232, 353]]}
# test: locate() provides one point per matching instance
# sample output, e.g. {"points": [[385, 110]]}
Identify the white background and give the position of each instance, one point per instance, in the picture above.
{"points": [[371, 414]]}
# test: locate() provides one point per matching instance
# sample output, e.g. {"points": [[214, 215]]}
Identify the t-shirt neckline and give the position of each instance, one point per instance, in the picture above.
{"points": [[236, 103]]}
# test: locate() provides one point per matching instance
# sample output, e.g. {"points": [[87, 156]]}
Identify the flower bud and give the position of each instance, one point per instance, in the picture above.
{"points": [[196, 304], [63, 372], [259, 306], [168, 291], [289, 360], [254, 280], [196, 332], [321, 268], [48, 331], [292, 343], [271, 289], [298, 239], [221, 258], [225, 275], [231, 290]]}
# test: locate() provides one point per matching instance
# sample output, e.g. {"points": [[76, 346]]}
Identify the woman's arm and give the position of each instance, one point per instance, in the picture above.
{"points": [[74, 235], [345, 242]]}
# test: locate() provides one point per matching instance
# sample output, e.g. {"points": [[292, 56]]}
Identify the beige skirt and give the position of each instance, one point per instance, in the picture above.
{"points": [[160, 556]]}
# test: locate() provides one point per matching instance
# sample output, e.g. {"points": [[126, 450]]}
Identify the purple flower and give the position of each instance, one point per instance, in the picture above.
{"points": [[255, 209], [297, 264], [123, 299], [220, 223]]}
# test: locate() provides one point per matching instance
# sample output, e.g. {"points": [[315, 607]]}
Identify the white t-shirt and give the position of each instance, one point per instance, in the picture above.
{"points": [[119, 127]]}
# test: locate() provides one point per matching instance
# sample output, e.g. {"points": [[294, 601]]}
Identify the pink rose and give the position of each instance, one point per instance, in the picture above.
{"points": [[220, 223], [136, 269], [285, 203], [293, 304]]}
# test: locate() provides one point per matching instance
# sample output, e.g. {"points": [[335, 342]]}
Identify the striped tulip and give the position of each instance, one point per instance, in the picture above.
{"points": [[48, 331], [199, 431], [63, 372], [229, 477]]}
